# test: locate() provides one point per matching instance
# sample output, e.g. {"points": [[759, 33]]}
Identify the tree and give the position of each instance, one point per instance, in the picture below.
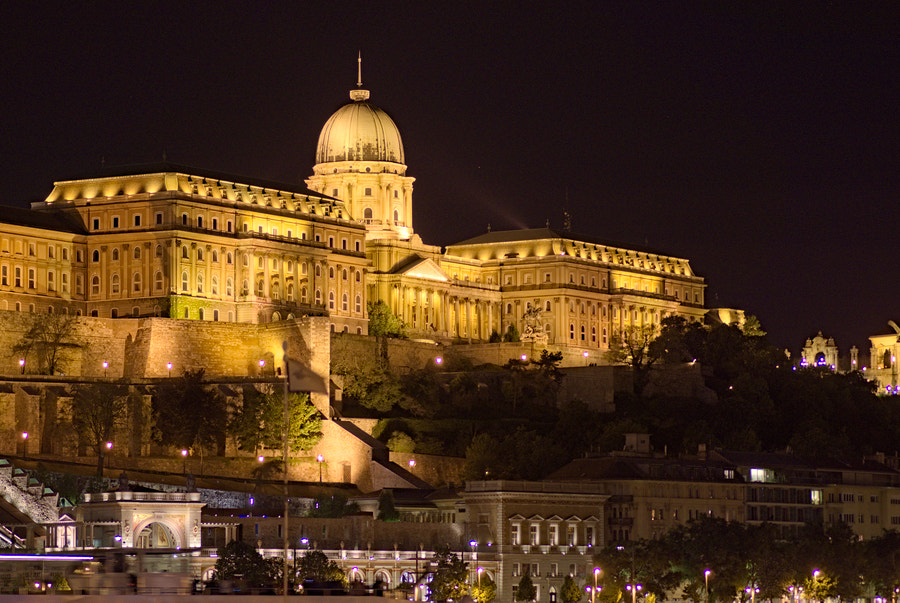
{"points": [[50, 341], [526, 590], [386, 509], [570, 592], [239, 559], [631, 346], [450, 575], [262, 422], [188, 411], [97, 410], [316, 566], [484, 590], [383, 322], [512, 334], [368, 378]]}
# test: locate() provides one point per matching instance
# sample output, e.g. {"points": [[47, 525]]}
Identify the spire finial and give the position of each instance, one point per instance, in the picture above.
{"points": [[359, 94]]}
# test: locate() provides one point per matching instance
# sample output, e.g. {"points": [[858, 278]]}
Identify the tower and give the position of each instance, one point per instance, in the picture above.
{"points": [[360, 160]]}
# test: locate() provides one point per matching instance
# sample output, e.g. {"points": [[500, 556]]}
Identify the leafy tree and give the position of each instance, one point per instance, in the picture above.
{"points": [[335, 505], [188, 411], [261, 422], [237, 558], [97, 410], [526, 590], [450, 575], [50, 340], [484, 459], [383, 322], [368, 378], [512, 334], [570, 592], [401, 442], [386, 509], [316, 566], [484, 590], [631, 346], [495, 337]]}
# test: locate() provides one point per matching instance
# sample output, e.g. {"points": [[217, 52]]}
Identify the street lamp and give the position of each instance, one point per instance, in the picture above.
{"points": [[184, 454], [752, 590], [633, 588], [105, 366], [108, 455], [25, 444], [480, 571], [706, 578], [594, 592], [320, 459], [22, 364], [412, 463], [169, 366]]}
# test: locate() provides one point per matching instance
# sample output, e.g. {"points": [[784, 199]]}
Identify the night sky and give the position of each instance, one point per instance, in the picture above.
{"points": [[759, 140]]}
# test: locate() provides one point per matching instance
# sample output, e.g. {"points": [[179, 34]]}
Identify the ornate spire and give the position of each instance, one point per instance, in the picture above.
{"points": [[359, 94]]}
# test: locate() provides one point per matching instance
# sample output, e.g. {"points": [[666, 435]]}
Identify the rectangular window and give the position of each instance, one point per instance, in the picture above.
{"points": [[137, 220], [96, 224], [4, 275], [570, 536], [554, 536], [31, 279], [215, 225], [158, 218], [534, 534], [515, 535], [115, 221]]}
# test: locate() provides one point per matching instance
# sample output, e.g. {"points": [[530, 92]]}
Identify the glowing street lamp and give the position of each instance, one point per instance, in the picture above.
{"points": [[480, 571], [169, 366], [320, 459], [22, 364], [412, 463], [25, 444], [594, 592], [438, 361], [706, 578], [105, 367], [752, 590], [108, 455], [184, 454]]}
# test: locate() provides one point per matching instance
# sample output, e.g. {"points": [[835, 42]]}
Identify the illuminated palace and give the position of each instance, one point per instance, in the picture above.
{"points": [[165, 240]]}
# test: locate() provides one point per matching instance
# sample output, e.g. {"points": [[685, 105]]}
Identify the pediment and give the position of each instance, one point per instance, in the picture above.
{"points": [[424, 268]]}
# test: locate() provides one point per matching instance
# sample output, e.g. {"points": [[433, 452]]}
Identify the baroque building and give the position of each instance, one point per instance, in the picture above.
{"points": [[177, 242]]}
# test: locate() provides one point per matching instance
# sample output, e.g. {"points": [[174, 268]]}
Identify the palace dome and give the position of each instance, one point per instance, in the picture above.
{"points": [[359, 131]]}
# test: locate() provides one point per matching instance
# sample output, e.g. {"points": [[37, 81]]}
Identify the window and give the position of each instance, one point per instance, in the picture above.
{"points": [[553, 535], [533, 534], [200, 282], [184, 281], [344, 305], [356, 245], [515, 534], [184, 222], [137, 253], [199, 254], [114, 313], [78, 284], [215, 224], [137, 219], [115, 254], [158, 218], [51, 284], [96, 224], [228, 258], [228, 225], [214, 283], [136, 282], [344, 274], [114, 287], [331, 241], [65, 254], [184, 253], [115, 221], [199, 221], [331, 300], [570, 536], [368, 192], [4, 275], [95, 285], [158, 281], [358, 304], [31, 279]]}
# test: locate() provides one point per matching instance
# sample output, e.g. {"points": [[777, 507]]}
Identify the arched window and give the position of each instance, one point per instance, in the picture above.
{"points": [[199, 254], [184, 252], [214, 284], [228, 258], [367, 213], [95, 285], [187, 313], [199, 221], [229, 286], [344, 305], [136, 282], [509, 308], [290, 292], [199, 282], [318, 270], [245, 287], [331, 272], [396, 217], [259, 288], [275, 291], [184, 221], [547, 306], [593, 334], [95, 256], [358, 304], [303, 294], [215, 256], [216, 315], [357, 276], [331, 300], [158, 281], [184, 282], [318, 297], [344, 274], [582, 332], [137, 253], [115, 254], [571, 331], [200, 313], [114, 287], [159, 251]]}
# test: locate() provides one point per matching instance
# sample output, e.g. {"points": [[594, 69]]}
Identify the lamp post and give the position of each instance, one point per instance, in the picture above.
{"points": [[752, 590], [25, 444], [706, 578], [105, 367], [169, 366], [184, 454], [594, 592], [22, 364], [480, 571], [633, 588], [320, 459], [108, 455]]}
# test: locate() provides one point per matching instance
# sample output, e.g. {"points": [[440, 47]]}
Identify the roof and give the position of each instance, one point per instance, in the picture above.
{"points": [[537, 234], [58, 221], [165, 166]]}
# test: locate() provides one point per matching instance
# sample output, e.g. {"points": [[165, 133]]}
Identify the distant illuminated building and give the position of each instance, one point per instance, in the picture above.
{"points": [[883, 360], [820, 351]]}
